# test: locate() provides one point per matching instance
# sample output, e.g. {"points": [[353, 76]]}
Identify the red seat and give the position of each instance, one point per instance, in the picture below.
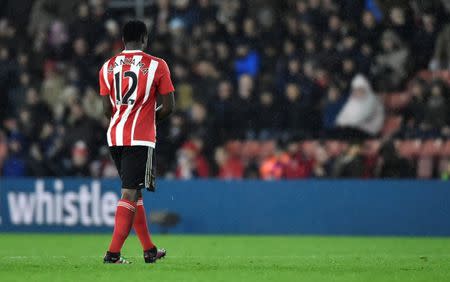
{"points": [[396, 101], [425, 166], [233, 148], [309, 148], [445, 151], [267, 148], [408, 148], [431, 148], [334, 148], [391, 125], [371, 147]]}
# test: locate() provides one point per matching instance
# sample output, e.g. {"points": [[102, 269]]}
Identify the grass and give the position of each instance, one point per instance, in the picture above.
{"points": [[33, 257]]}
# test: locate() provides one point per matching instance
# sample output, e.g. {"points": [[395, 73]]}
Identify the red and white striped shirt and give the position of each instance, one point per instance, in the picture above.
{"points": [[132, 79]]}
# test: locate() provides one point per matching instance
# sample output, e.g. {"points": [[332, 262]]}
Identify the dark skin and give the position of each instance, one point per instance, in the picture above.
{"points": [[162, 112]]}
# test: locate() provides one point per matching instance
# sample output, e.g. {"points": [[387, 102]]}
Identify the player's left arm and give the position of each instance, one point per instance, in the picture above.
{"points": [[166, 91], [167, 107]]}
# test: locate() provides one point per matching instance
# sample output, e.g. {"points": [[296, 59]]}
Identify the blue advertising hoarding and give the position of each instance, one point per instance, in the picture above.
{"points": [[353, 207]]}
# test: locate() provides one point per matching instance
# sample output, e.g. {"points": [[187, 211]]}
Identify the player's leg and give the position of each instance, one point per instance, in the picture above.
{"points": [[151, 253], [140, 225], [126, 207]]}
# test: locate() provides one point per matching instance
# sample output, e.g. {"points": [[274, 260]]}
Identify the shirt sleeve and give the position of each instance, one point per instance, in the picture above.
{"points": [[165, 85], [103, 80]]}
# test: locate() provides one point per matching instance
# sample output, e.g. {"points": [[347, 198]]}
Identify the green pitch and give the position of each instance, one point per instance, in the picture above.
{"points": [[35, 258]]}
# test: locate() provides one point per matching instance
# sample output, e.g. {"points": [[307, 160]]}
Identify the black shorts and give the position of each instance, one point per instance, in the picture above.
{"points": [[134, 164]]}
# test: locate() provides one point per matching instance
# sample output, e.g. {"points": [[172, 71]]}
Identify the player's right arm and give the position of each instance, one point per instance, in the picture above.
{"points": [[107, 107], [105, 89]]}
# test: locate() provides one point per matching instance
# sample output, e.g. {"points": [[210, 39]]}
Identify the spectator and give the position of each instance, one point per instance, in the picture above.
{"points": [[79, 165], [363, 111], [349, 165], [436, 107], [391, 64], [229, 167], [333, 104], [391, 165], [441, 57], [15, 163], [191, 161]]}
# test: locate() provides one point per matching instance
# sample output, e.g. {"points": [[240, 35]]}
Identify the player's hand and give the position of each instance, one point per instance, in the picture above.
{"points": [[152, 185]]}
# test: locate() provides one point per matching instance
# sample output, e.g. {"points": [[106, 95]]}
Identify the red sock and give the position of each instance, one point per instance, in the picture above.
{"points": [[140, 226], [122, 225]]}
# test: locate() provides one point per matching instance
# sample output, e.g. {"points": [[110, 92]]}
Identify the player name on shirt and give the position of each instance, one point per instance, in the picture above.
{"points": [[129, 62]]}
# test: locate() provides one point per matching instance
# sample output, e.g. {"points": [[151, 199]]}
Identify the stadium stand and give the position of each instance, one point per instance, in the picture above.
{"points": [[258, 91]]}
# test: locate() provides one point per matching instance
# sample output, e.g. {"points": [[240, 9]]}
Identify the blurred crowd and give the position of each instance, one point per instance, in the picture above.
{"points": [[270, 73]]}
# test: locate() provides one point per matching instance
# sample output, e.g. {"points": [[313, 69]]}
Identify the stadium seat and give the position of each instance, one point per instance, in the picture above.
{"points": [[425, 166], [250, 149], [396, 101], [233, 148], [391, 125], [268, 148], [309, 148], [445, 151], [431, 148], [371, 147], [408, 148]]}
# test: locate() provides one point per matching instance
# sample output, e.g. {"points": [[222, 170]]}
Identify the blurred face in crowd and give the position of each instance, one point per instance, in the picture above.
{"points": [[222, 51], [4, 53], [245, 86], [436, 90], [397, 16], [310, 46], [294, 66], [266, 99], [15, 146], [76, 111], [80, 154], [349, 42], [368, 20], [388, 44], [220, 156], [224, 90], [288, 47], [181, 4], [32, 96], [83, 11], [308, 69], [80, 47], [292, 92], [333, 94], [301, 6], [198, 113], [293, 148], [416, 89], [334, 23], [242, 50], [429, 21], [327, 43], [24, 79], [249, 27], [348, 66], [314, 4], [359, 92], [162, 4]]}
